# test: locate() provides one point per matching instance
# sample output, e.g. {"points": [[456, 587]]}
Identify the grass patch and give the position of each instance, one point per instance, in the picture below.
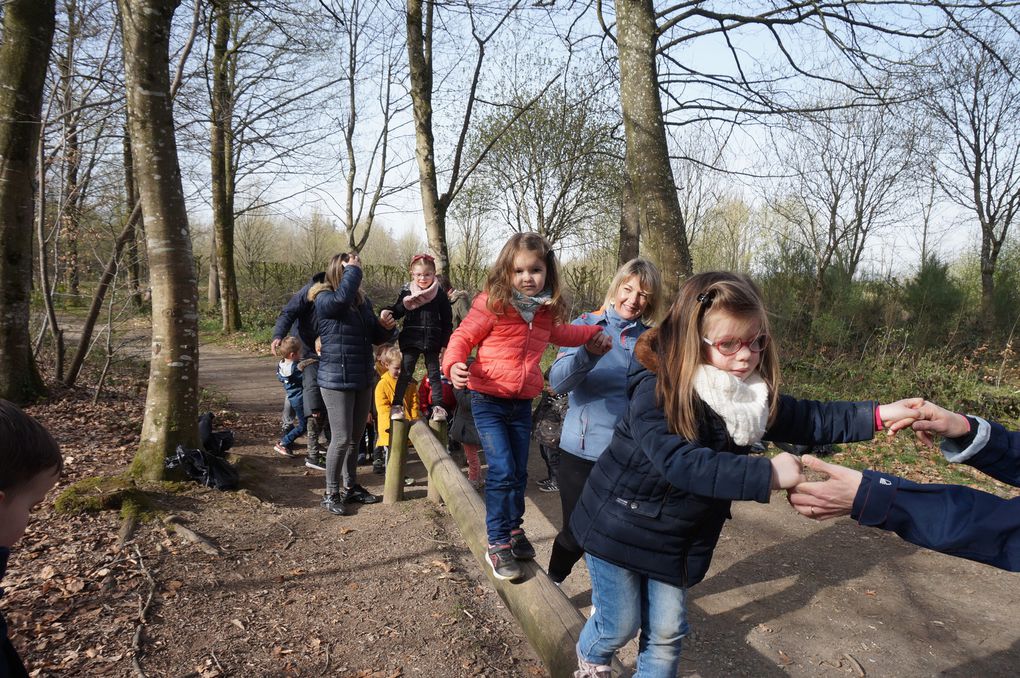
{"points": [[115, 493]]}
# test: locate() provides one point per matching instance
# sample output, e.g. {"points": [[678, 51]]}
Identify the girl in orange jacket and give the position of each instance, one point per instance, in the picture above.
{"points": [[519, 312]]}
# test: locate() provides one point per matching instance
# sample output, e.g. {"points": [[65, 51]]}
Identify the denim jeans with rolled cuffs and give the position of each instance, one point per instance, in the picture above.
{"points": [[625, 603], [504, 428]]}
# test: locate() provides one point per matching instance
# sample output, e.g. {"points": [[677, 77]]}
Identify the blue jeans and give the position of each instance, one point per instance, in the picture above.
{"points": [[297, 403], [504, 428], [626, 602]]}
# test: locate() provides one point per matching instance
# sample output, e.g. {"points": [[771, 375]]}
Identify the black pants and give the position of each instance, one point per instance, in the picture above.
{"points": [[407, 365], [571, 475]]}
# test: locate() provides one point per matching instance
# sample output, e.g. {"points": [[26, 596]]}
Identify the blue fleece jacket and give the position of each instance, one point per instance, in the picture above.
{"points": [[597, 384]]}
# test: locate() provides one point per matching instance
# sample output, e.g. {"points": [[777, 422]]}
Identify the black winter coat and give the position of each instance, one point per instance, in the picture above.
{"points": [[462, 425], [655, 503], [302, 311], [10, 663], [426, 328], [347, 331]]}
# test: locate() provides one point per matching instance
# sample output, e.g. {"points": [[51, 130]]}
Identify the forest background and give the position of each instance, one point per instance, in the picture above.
{"points": [[860, 160]]}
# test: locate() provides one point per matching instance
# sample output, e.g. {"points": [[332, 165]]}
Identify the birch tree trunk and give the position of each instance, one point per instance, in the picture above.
{"points": [[419, 61], [663, 235], [171, 404], [24, 53], [222, 164]]}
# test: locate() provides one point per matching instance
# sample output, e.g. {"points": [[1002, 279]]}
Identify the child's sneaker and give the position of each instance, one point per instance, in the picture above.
{"points": [[397, 413], [586, 669], [548, 485], [358, 494], [439, 413], [502, 562], [283, 449], [520, 547], [477, 483], [318, 462]]}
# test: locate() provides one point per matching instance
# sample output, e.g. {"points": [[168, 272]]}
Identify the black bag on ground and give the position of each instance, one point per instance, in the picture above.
{"points": [[205, 468], [214, 442]]}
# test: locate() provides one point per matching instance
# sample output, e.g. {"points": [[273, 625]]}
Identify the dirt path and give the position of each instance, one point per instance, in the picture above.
{"points": [[786, 596]]}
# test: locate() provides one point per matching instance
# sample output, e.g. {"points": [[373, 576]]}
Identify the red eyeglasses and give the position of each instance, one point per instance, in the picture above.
{"points": [[731, 345]]}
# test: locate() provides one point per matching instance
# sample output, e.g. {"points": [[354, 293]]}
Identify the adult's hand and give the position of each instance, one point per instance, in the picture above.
{"points": [[459, 375], [828, 498], [386, 319], [275, 344], [932, 419], [786, 471], [599, 344], [353, 259]]}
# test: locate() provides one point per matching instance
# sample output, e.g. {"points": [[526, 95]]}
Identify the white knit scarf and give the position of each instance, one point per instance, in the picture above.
{"points": [[743, 405]]}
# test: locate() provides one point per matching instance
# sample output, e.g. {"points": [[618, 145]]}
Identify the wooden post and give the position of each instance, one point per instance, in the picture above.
{"points": [[548, 619], [393, 488], [438, 429]]}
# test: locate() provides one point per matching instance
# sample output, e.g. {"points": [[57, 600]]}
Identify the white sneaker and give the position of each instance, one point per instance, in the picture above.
{"points": [[438, 413], [588, 670], [397, 413]]}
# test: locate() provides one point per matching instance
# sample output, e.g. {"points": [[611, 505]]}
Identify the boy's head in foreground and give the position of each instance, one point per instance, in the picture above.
{"points": [[30, 463], [290, 348]]}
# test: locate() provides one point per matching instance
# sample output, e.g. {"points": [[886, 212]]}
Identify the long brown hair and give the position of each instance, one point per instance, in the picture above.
{"points": [[334, 274], [499, 283], [680, 349]]}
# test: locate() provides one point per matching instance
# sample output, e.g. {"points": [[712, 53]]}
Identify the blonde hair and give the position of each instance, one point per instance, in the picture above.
{"points": [[390, 354], [650, 280], [499, 285], [334, 274], [680, 349]]}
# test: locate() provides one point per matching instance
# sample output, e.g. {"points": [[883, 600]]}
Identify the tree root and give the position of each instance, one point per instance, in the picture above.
{"points": [[175, 523]]}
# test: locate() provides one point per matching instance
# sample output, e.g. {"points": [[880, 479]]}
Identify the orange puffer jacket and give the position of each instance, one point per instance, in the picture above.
{"points": [[509, 349]]}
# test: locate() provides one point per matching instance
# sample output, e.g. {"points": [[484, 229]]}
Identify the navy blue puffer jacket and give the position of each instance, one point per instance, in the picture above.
{"points": [[347, 331], [655, 503]]}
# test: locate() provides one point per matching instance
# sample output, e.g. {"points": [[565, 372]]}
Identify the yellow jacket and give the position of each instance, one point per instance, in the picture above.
{"points": [[384, 401]]}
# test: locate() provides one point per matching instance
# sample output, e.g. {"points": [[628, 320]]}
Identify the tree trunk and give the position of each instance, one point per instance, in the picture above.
{"points": [[171, 404], [664, 238], [419, 59], [24, 53], [630, 225], [213, 294], [221, 157], [131, 199]]}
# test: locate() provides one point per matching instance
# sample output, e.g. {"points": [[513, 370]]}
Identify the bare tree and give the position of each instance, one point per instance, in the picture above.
{"points": [[28, 33], [171, 403], [975, 102], [846, 171]]}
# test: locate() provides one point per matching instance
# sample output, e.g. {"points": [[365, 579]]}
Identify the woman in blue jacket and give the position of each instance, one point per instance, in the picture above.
{"points": [[953, 519], [348, 327], [596, 379]]}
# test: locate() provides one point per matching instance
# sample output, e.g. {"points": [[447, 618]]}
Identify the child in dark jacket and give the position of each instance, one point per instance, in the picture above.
{"points": [[425, 308], [703, 389], [30, 464], [462, 430], [289, 373], [547, 423]]}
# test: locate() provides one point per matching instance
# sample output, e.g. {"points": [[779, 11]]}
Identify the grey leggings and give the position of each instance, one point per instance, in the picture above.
{"points": [[348, 414]]}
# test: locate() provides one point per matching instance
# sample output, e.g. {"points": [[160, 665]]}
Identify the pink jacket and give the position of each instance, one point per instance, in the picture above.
{"points": [[509, 349]]}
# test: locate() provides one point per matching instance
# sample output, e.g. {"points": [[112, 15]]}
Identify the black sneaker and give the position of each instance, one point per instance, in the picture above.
{"points": [[548, 485], [357, 493], [334, 503], [502, 562], [378, 468], [520, 547], [318, 462]]}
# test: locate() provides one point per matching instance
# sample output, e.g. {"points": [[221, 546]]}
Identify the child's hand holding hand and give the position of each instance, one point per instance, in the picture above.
{"points": [[459, 375], [599, 344], [385, 314], [786, 471], [899, 415], [386, 319]]}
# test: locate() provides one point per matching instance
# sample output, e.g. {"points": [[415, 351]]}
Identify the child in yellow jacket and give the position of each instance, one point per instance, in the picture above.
{"points": [[390, 358]]}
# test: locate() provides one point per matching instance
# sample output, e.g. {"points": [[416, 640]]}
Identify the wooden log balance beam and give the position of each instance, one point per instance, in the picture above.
{"points": [[551, 623]]}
